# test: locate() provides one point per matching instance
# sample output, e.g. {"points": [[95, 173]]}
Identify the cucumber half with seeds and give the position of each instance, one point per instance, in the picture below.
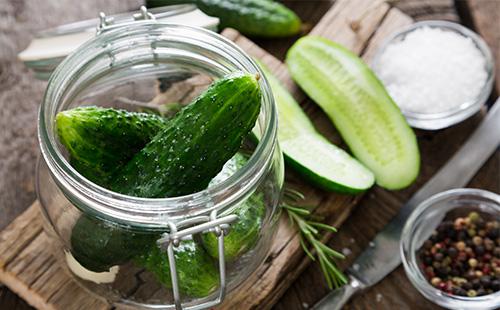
{"points": [[359, 106], [309, 153]]}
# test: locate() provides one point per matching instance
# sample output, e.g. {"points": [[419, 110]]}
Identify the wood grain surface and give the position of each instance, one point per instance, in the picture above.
{"points": [[286, 259], [20, 94], [485, 16]]}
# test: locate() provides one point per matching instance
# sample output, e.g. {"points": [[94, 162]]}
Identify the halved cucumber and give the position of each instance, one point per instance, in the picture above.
{"points": [[360, 107], [309, 153]]}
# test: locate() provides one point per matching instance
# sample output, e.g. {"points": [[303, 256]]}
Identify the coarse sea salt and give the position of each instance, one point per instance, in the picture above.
{"points": [[432, 70]]}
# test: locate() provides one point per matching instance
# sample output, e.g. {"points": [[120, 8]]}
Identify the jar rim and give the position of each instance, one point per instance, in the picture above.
{"points": [[408, 251], [83, 192]]}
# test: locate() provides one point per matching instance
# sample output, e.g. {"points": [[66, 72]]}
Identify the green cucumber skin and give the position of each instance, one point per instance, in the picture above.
{"points": [[196, 271], [301, 125], [224, 116], [244, 233], [101, 140], [359, 106], [178, 160], [261, 18], [98, 245], [319, 181]]}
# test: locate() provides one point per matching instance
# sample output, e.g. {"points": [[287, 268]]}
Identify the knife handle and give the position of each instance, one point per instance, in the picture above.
{"points": [[336, 299]]}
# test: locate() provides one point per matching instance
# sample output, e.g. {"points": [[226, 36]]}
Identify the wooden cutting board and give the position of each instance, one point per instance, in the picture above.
{"points": [[28, 268]]}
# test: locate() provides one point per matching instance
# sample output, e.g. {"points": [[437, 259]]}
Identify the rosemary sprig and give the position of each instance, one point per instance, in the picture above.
{"points": [[310, 238]]}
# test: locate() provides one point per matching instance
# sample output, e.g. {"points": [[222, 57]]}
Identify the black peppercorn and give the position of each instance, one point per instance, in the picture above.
{"points": [[481, 292], [454, 272], [452, 252], [467, 286], [438, 256], [479, 250], [459, 291], [442, 272], [461, 235], [434, 238], [495, 285], [485, 281], [427, 260], [494, 233], [476, 283], [480, 223]]}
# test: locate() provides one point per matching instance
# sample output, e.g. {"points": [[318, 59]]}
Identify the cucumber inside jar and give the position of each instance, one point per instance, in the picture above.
{"points": [[178, 156], [244, 233]]}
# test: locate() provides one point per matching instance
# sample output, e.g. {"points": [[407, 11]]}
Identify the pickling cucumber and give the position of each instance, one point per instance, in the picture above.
{"points": [[101, 140], [309, 153], [182, 158], [193, 147], [359, 106], [196, 271], [98, 245], [244, 233], [263, 18]]}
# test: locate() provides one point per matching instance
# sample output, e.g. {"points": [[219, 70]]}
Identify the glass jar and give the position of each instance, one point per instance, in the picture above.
{"points": [[120, 68], [425, 219]]}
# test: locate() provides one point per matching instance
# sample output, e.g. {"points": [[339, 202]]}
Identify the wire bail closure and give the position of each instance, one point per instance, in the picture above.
{"points": [[108, 22], [172, 239]]}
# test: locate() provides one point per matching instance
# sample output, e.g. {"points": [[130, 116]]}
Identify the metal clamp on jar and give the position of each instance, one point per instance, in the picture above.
{"points": [[220, 227]]}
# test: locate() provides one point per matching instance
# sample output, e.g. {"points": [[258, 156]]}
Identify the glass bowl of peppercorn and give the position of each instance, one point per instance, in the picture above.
{"points": [[450, 248]]}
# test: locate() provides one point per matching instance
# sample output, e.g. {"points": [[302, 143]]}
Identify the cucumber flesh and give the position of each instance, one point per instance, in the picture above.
{"points": [[309, 153], [359, 106], [326, 165]]}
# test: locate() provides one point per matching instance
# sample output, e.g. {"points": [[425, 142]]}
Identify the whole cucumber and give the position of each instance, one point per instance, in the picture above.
{"points": [[193, 147], [261, 18], [101, 140], [98, 245], [182, 158]]}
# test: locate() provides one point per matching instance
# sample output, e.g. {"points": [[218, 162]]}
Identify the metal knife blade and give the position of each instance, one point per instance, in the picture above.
{"points": [[382, 256]]}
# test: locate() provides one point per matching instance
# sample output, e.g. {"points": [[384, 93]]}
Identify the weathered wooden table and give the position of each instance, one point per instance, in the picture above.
{"points": [[20, 94]]}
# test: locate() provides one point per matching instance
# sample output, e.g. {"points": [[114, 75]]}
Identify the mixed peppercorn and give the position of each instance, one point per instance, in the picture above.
{"points": [[462, 257]]}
